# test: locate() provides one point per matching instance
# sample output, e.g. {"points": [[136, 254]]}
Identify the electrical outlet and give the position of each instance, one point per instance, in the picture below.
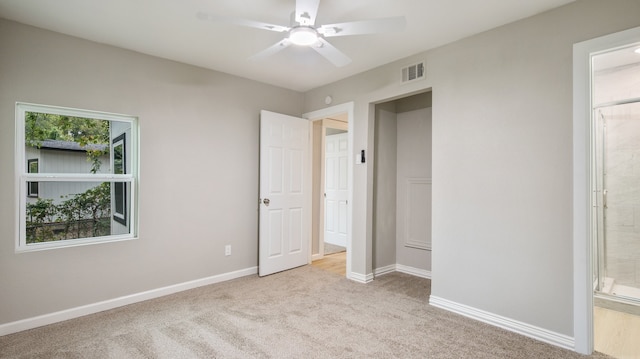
{"points": [[227, 250]]}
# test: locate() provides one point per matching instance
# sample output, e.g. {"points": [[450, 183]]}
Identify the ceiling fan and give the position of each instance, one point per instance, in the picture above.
{"points": [[304, 32]]}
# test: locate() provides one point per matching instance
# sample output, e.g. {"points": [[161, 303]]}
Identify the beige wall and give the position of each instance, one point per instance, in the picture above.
{"points": [[198, 170], [502, 160]]}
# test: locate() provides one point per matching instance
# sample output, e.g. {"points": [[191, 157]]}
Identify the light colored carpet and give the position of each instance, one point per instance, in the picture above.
{"points": [[301, 313]]}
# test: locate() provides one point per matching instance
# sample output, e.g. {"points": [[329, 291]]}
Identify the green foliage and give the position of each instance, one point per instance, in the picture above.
{"points": [[93, 205], [46, 126], [80, 215], [38, 215], [84, 131], [83, 215]]}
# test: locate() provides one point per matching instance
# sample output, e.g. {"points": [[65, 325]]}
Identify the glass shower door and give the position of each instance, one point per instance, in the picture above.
{"points": [[599, 265], [617, 182]]}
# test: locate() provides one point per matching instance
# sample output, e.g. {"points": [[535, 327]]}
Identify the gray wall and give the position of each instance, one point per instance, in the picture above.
{"points": [[198, 172], [414, 162], [384, 193], [502, 160]]}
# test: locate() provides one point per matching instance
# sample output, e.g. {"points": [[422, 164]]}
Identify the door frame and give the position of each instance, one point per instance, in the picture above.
{"points": [[312, 116], [582, 181], [321, 218]]}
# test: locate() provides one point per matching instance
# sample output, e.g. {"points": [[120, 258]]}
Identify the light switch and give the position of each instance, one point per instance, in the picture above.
{"points": [[360, 159]]}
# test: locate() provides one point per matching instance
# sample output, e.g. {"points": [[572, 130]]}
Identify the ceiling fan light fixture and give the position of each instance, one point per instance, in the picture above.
{"points": [[303, 36]]}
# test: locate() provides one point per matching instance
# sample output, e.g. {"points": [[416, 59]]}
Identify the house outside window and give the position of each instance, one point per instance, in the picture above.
{"points": [[77, 177], [32, 187]]}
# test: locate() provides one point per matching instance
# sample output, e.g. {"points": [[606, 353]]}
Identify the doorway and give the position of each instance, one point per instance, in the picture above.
{"points": [[588, 197], [332, 185], [335, 191], [600, 93], [616, 173], [402, 186], [616, 197]]}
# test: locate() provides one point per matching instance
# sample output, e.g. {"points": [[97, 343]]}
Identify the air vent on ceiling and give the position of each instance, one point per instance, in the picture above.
{"points": [[413, 72]]}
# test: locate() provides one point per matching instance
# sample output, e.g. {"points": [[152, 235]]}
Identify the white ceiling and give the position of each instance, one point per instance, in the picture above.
{"points": [[171, 30]]}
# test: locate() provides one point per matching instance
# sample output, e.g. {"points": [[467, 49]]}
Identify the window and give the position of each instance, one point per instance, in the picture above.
{"points": [[32, 187], [77, 177]]}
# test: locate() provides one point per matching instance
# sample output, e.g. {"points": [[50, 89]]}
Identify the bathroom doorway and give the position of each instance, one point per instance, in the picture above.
{"points": [[616, 174], [615, 178]]}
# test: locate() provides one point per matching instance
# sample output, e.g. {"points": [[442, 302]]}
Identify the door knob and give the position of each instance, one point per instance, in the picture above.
{"points": [[266, 201]]}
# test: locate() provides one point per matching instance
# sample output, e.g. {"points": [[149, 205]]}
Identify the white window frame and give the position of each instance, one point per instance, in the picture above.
{"points": [[23, 177]]}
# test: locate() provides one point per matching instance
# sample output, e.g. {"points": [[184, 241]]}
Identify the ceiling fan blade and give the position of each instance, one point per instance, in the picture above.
{"points": [[376, 26], [243, 22], [278, 46], [306, 11], [335, 56]]}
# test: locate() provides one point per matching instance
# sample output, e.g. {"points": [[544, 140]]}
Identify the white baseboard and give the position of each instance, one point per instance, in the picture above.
{"points": [[315, 257], [531, 331], [384, 270], [422, 273], [360, 278], [29, 323]]}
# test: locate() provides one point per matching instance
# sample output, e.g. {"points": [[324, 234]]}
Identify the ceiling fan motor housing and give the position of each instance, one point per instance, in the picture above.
{"points": [[303, 36]]}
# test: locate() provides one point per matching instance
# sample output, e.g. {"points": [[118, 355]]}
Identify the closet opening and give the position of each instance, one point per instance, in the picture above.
{"points": [[402, 186]]}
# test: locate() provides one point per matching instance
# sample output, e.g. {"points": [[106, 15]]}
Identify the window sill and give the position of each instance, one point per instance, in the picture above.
{"points": [[43, 246]]}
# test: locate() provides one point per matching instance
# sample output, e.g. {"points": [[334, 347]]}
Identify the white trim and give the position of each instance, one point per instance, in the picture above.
{"points": [[328, 112], [582, 249], [74, 112], [76, 242], [321, 214], [29, 323], [360, 278], [75, 177], [531, 331], [384, 270], [422, 273], [408, 241]]}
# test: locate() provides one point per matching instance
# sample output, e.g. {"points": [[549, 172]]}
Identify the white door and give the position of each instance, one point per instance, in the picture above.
{"points": [[336, 194], [285, 193]]}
